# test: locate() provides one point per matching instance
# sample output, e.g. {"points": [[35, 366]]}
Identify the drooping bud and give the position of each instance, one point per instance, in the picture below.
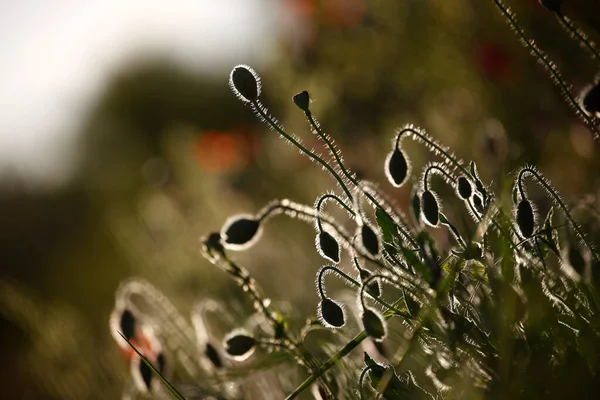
{"points": [[328, 247], [396, 167], [464, 187], [213, 355], [374, 287], [525, 218], [127, 324], [245, 83], [240, 232], [373, 325], [430, 208], [239, 345], [590, 99], [552, 5], [477, 203], [369, 239], [146, 374], [302, 100], [331, 313], [576, 259]]}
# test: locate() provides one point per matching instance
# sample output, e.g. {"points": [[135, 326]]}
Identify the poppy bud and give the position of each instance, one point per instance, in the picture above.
{"points": [[331, 313], [302, 100], [146, 374], [552, 5], [373, 288], [127, 324], [213, 355], [464, 187], [373, 325], [591, 99], [245, 83], [240, 232], [430, 208], [525, 218], [477, 203], [239, 346], [396, 168], [328, 247], [369, 239]]}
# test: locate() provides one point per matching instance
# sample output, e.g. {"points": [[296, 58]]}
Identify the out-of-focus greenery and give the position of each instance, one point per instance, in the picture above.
{"points": [[167, 155]]}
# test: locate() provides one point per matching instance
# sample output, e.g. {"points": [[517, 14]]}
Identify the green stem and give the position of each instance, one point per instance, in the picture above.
{"points": [[261, 111], [579, 35]]}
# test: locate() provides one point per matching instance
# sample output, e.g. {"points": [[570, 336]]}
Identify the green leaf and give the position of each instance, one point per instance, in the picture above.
{"points": [[389, 230]]}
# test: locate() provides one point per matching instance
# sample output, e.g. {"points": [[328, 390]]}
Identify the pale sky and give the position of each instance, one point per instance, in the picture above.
{"points": [[56, 54]]}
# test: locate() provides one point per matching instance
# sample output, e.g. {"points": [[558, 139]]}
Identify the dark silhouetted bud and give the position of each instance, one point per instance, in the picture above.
{"points": [[240, 232], [396, 168], [525, 218], [245, 83], [302, 100], [369, 239], [430, 208], [591, 99], [328, 247], [146, 374], [464, 187], [239, 346], [373, 288], [213, 242], [213, 355], [127, 324], [331, 313], [552, 5], [373, 325]]}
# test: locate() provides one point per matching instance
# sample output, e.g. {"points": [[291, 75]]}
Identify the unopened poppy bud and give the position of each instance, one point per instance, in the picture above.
{"points": [[331, 313], [369, 239], [328, 247], [464, 187], [525, 218], [373, 325], [146, 374], [477, 203], [213, 355], [590, 99], [397, 167], [552, 5], [240, 232], [245, 83], [373, 288], [302, 100], [127, 324], [239, 346], [430, 208]]}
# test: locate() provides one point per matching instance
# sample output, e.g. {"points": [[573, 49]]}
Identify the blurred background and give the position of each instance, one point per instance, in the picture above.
{"points": [[121, 145]]}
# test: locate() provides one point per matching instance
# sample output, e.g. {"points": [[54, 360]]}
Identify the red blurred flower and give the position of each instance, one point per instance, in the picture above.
{"points": [[493, 61], [222, 151]]}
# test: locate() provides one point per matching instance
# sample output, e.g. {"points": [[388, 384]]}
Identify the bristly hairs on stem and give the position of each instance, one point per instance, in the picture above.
{"points": [[552, 69], [320, 202], [555, 196], [579, 35]]}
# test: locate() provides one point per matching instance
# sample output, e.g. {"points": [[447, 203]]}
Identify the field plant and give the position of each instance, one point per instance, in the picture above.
{"points": [[506, 308]]}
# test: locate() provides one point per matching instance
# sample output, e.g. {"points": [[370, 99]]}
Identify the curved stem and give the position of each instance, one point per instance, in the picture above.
{"points": [[438, 168], [356, 283], [257, 106], [333, 197], [558, 200], [549, 65], [368, 281], [440, 149]]}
